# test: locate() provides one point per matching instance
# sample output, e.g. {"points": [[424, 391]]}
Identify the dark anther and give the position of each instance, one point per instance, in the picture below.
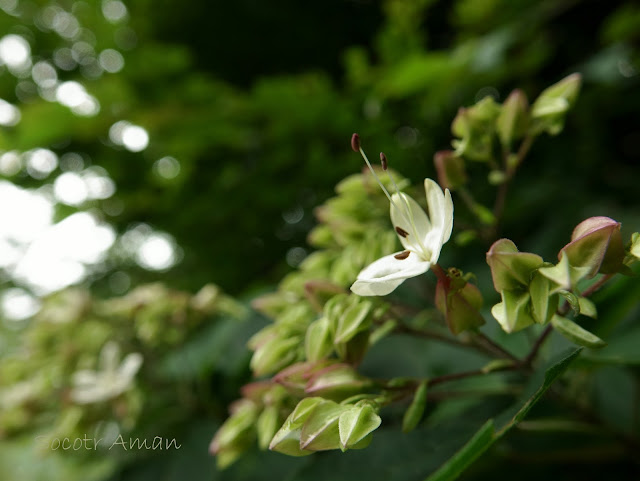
{"points": [[402, 255], [383, 161], [355, 142], [401, 232]]}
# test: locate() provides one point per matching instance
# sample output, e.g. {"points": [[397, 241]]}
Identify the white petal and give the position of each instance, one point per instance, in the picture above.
{"points": [[448, 216], [435, 204], [84, 377], [88, 394], [407, 214], [130, 366], [384, 275], [440, 208]]}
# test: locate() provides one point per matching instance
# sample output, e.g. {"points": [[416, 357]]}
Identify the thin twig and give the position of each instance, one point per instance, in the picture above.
{"points": [[496, 348], [536, 347]]}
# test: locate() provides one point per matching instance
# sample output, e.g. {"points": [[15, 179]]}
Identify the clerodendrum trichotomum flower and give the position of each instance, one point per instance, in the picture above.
{"points": [[421, 236]]}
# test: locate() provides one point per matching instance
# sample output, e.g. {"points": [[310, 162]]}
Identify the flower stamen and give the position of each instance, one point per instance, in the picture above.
{"points": [[401, 232]]}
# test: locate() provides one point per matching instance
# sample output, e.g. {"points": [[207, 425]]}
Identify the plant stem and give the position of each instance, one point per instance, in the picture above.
{"points": [[496, 348], [509, 170], [596, 285], [536, 347]]}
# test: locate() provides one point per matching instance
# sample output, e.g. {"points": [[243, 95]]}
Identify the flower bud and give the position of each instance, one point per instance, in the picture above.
{"points": [[549, 109], [337, 381], [511, 269], [287, 439], [295, 377], [459, 301], [543, 302], [356, 424], [475, 127], [513, 313], [321, 431], [513, 119], [450, 168], [236, 434], [318, 340], [634, 250], [274, 354], [596, 244]]}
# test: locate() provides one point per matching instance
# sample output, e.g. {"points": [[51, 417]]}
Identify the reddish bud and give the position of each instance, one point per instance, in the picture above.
{"points": [[355, 142]]}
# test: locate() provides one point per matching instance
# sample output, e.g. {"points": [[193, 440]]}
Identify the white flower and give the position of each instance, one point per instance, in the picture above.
{"points": [[110, 381], [422, 236]]}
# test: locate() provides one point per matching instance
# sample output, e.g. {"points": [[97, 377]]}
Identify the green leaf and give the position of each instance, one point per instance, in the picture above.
{"points": [[478, 444], [575, 333], [487, 435], [414, 412]]}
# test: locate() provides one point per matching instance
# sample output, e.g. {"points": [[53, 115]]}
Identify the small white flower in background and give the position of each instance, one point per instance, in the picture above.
{"points": [[112, 379], [422, 236]]}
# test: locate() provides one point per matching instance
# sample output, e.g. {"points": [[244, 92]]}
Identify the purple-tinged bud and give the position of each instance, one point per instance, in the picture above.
{"points": [[596, 243], [383, 161], [338, 381], [459, 302], [355, 143]]}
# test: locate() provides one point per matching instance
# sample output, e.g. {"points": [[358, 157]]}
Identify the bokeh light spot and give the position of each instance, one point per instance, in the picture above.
{"points": [[167, 167], [111, 60], [9, 114]]}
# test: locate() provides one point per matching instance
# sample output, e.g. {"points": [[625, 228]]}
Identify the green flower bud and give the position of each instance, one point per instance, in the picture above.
{"points": [[475, 127], [318, 340], [513, 120], [321, 431], [514, 312], [267, 425], [564, 274], [354, 319], [634, 250], [287, 439], [236, 434], [414, 412], [450, 168], [274, 354], [596, 244], [356, 424], [549, 110], [543, 302], [510, 268]]}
